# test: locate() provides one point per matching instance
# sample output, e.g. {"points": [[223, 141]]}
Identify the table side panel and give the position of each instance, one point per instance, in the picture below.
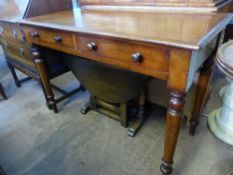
{"points": [[155, 59], [197, 59], [48, 38]]}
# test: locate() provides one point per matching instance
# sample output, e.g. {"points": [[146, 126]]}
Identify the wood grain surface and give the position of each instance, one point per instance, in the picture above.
{"points": [[183, 30]]}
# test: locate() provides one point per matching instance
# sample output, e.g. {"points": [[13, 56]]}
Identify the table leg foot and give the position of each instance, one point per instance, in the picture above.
{"points": [[49, 106], [54, 106], [166, 168], [136, 124], [134, 127], [85, 109]]}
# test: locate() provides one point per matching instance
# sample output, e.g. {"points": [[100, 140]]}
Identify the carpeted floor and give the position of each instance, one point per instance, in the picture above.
{"points": [[35, 141]]}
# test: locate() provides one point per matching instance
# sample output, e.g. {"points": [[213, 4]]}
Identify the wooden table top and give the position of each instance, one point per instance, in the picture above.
{"points": [[184, 30]]}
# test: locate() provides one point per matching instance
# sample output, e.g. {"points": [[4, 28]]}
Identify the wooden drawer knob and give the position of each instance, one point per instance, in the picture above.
{"points": [[137, 57], [58, 39], [92, 46], [35, 35]]}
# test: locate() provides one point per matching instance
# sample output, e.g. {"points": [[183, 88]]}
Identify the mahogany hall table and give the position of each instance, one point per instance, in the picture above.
{"points": [[168, 46]]}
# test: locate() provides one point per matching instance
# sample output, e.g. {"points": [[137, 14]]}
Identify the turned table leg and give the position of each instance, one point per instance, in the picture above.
{"points": [[203, 90], [40, 65], [203, 86], [177, 81], [174, 117]]}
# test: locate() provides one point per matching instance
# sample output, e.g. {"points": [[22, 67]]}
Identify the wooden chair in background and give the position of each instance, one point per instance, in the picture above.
{"points": [[2, 92]]}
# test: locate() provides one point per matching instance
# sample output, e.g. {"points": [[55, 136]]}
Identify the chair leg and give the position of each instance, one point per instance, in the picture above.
{"points": [[54, 106], [45, 96], [2, 92], [13, 73]]}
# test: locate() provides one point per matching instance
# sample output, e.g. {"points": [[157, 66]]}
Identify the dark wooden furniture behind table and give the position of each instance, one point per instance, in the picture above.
{"points": [[18, 52], [2, 92], [168, 46]]}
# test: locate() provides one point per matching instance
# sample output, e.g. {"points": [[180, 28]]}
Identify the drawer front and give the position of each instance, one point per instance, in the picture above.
{"points": [[146, 59], [52, 39], [11, 32], [17, 51]]}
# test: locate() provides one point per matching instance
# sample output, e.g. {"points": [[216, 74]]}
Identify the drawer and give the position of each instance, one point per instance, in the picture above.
{"points": [[19, 52], [52, 38], [11, 32], [147, 59]]}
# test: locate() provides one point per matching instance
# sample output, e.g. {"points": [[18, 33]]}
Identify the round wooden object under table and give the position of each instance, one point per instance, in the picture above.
{"points": [[220, 121]]}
